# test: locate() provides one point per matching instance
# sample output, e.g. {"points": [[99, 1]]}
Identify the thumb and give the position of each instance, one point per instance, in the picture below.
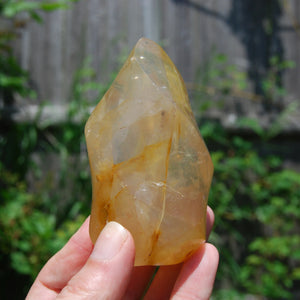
{"points": [[107, 271]]}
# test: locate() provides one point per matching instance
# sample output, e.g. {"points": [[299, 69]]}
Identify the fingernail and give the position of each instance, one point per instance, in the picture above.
{"points": [[109, 242]]}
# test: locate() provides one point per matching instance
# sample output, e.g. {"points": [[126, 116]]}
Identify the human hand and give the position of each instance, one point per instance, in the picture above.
{"points": [[105, 271]]}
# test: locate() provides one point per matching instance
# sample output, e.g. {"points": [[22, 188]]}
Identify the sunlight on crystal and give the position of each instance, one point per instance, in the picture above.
{"points": [[151, 170]]}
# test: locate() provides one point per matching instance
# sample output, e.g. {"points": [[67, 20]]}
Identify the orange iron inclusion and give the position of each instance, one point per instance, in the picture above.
{"points": [[151, 170]]}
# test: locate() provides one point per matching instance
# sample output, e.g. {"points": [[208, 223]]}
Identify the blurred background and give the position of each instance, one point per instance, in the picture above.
{"points": [[240, 61]]}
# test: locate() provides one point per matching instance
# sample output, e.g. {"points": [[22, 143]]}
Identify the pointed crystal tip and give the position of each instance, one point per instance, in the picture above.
{"points": [[151, 170]]}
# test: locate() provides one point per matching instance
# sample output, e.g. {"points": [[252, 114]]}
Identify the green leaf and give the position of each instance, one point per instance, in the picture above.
{"points": [[36, 17], [12, 8], [251, 124], [51, 6], [20, 263]]}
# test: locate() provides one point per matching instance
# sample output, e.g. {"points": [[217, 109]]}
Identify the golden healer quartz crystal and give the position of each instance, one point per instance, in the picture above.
{"points": [[151, 170]]}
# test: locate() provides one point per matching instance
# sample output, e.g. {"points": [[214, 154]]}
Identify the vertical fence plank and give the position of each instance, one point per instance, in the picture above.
{"points": [[188, 30]]}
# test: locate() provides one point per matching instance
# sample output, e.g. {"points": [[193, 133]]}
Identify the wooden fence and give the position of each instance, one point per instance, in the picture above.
{"points": [[248, 32]]}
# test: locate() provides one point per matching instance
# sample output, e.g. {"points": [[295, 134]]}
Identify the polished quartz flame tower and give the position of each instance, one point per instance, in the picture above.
{"points": [[150, 168]]}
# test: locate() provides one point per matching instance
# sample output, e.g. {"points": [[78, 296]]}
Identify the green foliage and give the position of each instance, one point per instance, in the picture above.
{"points": [[254, 197], [256, 200], [33, 226], [28, 233], [13, 79], [217, 81], [11, 8], [271, 84], [275, 255]]}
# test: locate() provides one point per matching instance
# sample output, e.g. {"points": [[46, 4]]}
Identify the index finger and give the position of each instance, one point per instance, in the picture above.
{"points": [[63, 265]]}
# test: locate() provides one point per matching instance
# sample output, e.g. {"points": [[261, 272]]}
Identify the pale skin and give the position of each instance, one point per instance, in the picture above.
{"points": [[105, 271]]}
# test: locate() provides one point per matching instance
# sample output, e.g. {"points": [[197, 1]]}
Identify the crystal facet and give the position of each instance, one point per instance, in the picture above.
{"points": [[151, 170]]}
